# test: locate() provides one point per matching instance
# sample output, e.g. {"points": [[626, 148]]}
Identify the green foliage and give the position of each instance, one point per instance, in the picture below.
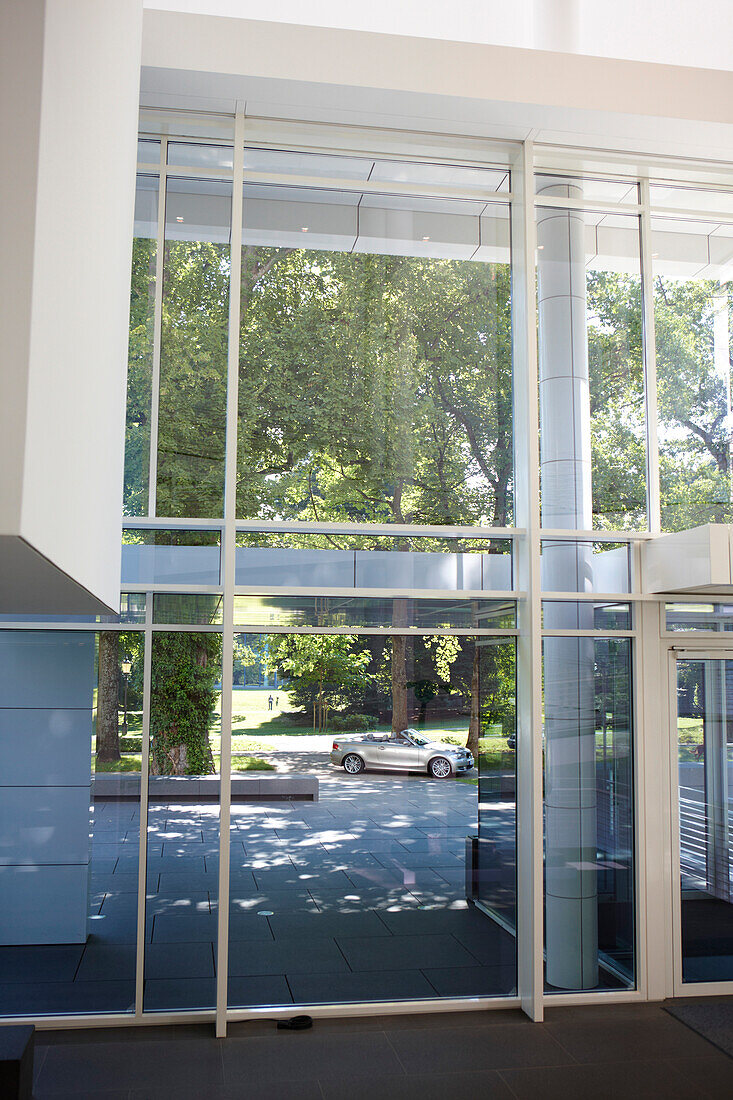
{"points": [[323, 671], [185, 669], [355, 722]]}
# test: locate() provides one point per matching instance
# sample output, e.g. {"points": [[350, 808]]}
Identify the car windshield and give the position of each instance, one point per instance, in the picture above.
{"points": [[416, 738]]}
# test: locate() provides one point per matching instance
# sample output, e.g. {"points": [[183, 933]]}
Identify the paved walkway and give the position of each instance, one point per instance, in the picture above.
{"points": [[360, 896]]}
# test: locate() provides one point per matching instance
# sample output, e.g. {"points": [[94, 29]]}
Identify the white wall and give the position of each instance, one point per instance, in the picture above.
{"points": [[68, 106]]}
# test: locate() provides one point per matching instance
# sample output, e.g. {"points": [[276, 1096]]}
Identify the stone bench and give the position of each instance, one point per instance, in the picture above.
{"points": [[249, 787], [16, 1062]]}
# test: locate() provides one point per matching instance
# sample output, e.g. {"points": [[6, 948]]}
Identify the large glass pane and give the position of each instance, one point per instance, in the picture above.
{"points": [[572, 566], [592, 419], [170, 557], [589, 813], [699, 616], [183, 821], [70, 728], [140, 348], [193, 362], [359, 611], [375, 364], [705, 755], [361, 869], [693, 266]]}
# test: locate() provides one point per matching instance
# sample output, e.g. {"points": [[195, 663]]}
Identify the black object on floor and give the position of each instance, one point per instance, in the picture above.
{"points": [[295, 1023], [16, 1062], [712, 1020]]}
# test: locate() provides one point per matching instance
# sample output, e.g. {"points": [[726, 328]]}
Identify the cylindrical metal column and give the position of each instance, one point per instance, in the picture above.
{"points": [[571, 921]]}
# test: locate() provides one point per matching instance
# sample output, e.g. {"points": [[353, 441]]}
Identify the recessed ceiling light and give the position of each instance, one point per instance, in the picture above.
{"points": [[540, 247], [304, 229], [426, 238], [655, 255], [179, 219]]}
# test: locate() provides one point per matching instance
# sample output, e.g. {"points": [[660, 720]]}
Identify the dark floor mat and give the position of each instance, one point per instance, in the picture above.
{"points": [[714, 1021]]}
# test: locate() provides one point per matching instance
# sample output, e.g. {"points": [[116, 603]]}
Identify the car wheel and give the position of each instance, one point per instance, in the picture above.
{"points": [[353, 764], [439, 767]]}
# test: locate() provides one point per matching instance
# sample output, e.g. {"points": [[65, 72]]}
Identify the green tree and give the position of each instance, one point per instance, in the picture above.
{"points": [[323, 671], [185, 669]]}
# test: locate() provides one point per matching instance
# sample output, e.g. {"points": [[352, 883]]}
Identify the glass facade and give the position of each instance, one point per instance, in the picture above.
{"points": [[322, 483]]}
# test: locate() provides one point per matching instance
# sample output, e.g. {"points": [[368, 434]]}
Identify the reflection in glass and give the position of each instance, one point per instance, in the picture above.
{"points": [[193, 361], [170, 557], [705, 755], [140, 346], [191, 609], [361, 611], [70, 726], [567, 615], [699, 616], [589, 815], [692, 304], [585, 566], [401, 410], [183, 821], [348, 898]]}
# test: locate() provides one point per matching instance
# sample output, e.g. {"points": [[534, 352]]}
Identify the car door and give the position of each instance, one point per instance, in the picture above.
{"points": [[399, 754]]}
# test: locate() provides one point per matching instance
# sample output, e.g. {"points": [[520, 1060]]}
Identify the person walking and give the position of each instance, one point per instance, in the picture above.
{"points": [[269, 703]]}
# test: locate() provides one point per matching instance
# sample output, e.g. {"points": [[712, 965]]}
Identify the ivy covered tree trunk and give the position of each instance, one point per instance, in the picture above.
{"points": [[108, 740], [185, 669], [474, 722], [399, 681]]}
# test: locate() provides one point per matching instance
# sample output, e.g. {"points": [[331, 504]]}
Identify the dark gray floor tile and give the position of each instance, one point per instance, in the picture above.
{"points": [[173, 994], [401, 952], [502, 1047], [377, 985], [486, 1085], [286, 1090], [279, 901], [185, 928], [416, 922], [188, 1063], [41, 963], [102, 962], [293, 925], [180, 904], [293, 1056], [407, 878], [491, 947], [299, 878], [473, 981], [713, 1075], [265, 989], [313, 956], [642, 1080], [248, 926], [56, 998], [179, 960], [628, 1040]]}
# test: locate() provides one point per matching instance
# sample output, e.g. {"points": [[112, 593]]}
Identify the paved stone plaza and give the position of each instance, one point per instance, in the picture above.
{"points": [[360, 896]]}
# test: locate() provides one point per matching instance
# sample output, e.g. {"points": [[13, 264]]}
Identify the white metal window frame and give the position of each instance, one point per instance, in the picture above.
{"points": [[652, 794], [689, 651]]}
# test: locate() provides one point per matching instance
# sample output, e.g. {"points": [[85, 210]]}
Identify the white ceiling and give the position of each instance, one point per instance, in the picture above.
{"points": [[669, 32]]}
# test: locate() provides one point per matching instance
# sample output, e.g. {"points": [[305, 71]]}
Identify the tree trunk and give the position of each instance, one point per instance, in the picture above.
{"points": [[399, 681], [108, 740], [474, 724]]}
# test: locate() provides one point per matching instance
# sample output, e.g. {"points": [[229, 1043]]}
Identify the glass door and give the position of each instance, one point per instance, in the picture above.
{"points": [[704, 685]]}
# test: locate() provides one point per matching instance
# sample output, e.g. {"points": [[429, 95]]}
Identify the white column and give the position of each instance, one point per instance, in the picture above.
{"points": [[571, 923]]}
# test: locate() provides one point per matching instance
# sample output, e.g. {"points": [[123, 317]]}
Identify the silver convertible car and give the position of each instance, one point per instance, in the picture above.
{"points": [[408, 751]]}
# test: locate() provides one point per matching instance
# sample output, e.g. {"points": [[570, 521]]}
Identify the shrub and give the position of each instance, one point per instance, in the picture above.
{"points": [[356, 722]]}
